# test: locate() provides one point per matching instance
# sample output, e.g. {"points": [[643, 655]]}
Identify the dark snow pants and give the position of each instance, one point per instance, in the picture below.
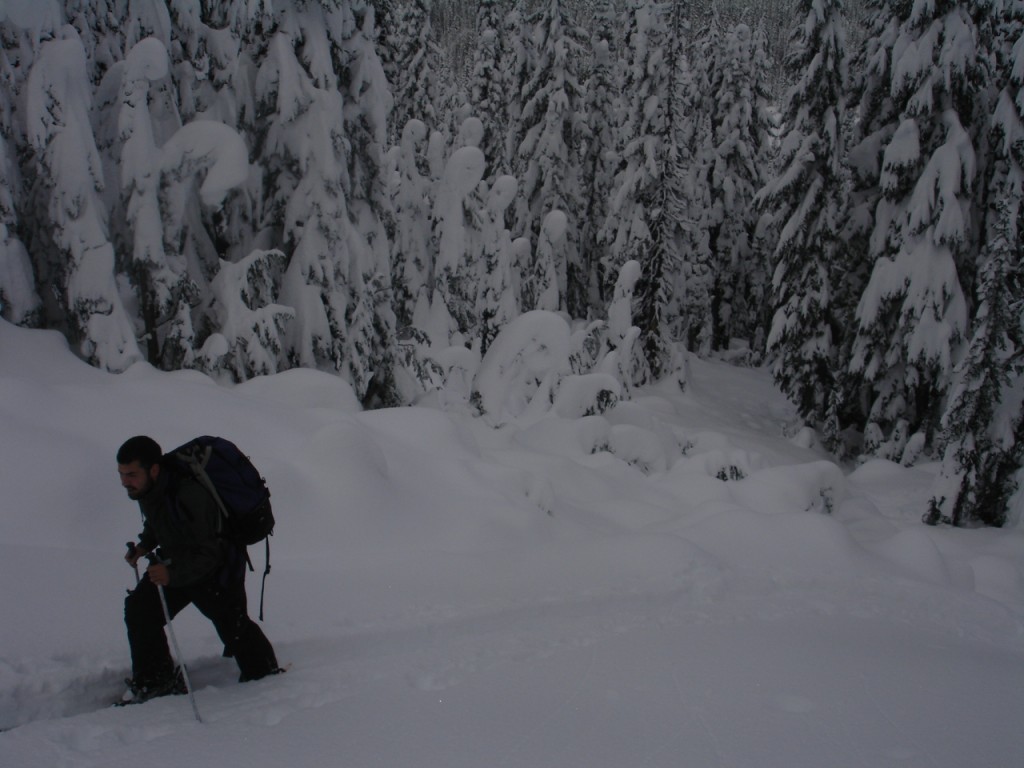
{"points": [[224, 605]]}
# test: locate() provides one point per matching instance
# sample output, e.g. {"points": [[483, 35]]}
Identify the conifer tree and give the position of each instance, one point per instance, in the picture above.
{"points": [[641, 131], [305, 174], [486, 91], [370, 350], [982, 445], [496, 302], [412, 263], [415, 69], [586, 283], [916, 168], [808, 195], [551, 130], [657, 309], [164, 291], [457, 224], [386, 18], [738, 159], [983, 424], [540, 284], [625, 357], [516, 65], [200, 167], [57, 111], [19, 300], [645, 213], [701, 214]]}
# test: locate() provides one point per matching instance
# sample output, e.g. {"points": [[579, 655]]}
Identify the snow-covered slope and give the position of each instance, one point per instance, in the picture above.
{"points": [[554, 592]]}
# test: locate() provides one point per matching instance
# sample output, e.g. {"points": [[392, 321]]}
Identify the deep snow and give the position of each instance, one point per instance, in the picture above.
{"points": [[453, 594]]}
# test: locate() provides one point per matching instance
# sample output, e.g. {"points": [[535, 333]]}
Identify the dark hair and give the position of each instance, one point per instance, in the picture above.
{"points": [[142, 449]]}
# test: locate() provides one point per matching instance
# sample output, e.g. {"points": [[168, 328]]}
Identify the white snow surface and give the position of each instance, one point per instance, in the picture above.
{"points": [[453, 594]]}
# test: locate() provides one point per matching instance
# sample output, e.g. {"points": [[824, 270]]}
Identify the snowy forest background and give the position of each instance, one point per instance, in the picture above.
{"points": [[378, 189]]}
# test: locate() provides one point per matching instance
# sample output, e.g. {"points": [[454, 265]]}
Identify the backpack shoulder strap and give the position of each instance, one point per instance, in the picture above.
{"points": [[175, 471]]}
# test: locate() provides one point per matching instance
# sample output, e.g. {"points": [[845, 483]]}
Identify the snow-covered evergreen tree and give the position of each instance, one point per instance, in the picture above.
{"points": [[204, 46], [701, 214], [302, 140], [645, 211], [586, 282], [58, 127], [415, 69], [163, 288], [540, 284], [625, 357], [551, 130], [808, 195], [200, 165], [386, 18], [323, 192], [641, 133], [739, 157], [917, 146], [457, 224], [982, 426], [412, 263], [496, 302], [486, 89], [371, 320], [658, 311], [516, 65], [19, 300]]}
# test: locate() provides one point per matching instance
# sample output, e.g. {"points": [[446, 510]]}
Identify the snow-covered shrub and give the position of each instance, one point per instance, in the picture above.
{"points": [[817, 486], [531, 351], [251, 327], [724, 463], [586, 395], [540, 286], [592, 433], [638, 446], [586, 346], [458, 366], [627, 363]]}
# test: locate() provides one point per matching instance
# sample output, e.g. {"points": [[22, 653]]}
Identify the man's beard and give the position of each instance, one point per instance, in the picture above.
{"points": [[139, 493]]}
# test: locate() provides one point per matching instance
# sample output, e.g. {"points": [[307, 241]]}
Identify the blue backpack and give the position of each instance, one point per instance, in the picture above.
{"points": [[238, 488]]}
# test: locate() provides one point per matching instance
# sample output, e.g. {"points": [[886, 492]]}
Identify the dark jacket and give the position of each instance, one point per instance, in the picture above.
{"points": [[182, 518]]}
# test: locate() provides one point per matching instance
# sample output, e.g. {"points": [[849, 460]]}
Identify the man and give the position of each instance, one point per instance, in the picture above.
{"points": [[194, 565]]}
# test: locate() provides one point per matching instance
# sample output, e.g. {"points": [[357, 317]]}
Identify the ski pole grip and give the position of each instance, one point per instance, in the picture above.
{"points": [[154, 557]]}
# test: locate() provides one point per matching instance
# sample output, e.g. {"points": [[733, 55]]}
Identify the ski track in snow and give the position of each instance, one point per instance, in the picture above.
{"points": [[433, 663], [433, 660]]}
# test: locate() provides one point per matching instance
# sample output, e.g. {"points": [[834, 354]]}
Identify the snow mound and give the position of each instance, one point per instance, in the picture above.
{"points": [[304, 388]]}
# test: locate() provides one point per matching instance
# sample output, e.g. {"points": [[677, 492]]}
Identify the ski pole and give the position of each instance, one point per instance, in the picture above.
{"points": [[174, 642], [135, 565]]}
